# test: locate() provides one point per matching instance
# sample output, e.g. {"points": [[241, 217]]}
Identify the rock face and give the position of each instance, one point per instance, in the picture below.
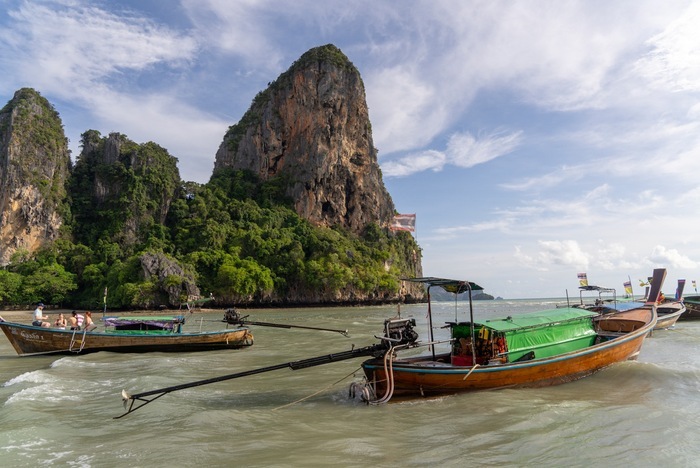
{"points": [[311, 126], [34, 167], [120, 189], [179, 285]]}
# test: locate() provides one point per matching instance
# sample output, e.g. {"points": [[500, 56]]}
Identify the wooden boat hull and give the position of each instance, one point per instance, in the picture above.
{"points": [[28, 340], [424, 376], [692, 305], [668, 314]]}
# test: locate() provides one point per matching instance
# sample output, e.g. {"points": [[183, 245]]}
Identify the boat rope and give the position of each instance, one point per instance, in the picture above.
{"points": [[470, 371], [319, 391]]}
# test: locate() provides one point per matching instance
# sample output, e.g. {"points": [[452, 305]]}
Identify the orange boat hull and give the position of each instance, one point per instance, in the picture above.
{"points": [[424, 376]]}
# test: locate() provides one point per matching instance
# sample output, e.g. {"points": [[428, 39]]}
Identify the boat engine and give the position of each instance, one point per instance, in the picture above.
{"points": [[398, 331], [232, 317]]}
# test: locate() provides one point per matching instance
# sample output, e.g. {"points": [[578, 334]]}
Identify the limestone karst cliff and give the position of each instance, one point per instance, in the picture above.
{"points": [[34, 166], [295, 212], [312, 127]]}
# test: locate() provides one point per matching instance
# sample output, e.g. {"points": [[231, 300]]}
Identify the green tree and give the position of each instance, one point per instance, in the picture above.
{"points": [[50, 283], [10, 286]]}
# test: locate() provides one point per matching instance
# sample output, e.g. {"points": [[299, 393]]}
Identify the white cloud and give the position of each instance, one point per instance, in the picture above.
{"points": [[567, 252], [674, 62], [405, 110], [670, 258], [426, 160], [246, 28], [463, 150], [69, 49]]}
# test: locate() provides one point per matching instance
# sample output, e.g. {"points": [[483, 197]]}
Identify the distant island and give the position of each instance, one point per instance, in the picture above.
{"points": [[440, 294]]}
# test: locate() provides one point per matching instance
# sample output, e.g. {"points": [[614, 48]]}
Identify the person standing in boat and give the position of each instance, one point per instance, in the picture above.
{"points": [[39, 317]]}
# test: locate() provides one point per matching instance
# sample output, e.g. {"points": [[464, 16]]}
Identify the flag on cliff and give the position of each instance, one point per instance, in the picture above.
{"points": [[404, 222], [628, 287], [582, 280]]}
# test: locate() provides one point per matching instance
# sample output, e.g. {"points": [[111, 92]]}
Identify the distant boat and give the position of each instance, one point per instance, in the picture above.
{"points": [[692, 305], [668, 311], [529, 350], [123, 335]]}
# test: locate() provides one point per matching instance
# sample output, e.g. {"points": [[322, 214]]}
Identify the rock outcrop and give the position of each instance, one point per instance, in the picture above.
{"points": [[120, 189], [311, 126], [34, 166], [177, 284]]}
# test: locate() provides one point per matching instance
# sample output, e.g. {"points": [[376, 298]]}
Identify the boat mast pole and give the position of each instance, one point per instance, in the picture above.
{"points": [[430, 322], [104, 300], [471, 323]]}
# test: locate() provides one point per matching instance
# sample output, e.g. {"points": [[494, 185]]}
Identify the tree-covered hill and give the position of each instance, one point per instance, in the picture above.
{"points": [[295, 213]]}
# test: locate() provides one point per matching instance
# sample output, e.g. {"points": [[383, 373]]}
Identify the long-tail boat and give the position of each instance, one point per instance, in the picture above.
{"points": [[123, 335], [668, 310], [692, 305], [543, 348], [529, 350]]}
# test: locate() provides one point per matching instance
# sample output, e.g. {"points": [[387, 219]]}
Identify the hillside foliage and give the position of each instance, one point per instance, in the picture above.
{"points": [[236, 239]]}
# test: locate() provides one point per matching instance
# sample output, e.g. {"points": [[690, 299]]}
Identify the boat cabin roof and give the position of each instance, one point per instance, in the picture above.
{"points": [[157, 320], [536, 319], [596, 288], [623, 306], [449, 285]]}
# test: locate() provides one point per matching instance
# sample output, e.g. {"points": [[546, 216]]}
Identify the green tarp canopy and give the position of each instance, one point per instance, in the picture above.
{"points": [[546, 333], [538, 319]]}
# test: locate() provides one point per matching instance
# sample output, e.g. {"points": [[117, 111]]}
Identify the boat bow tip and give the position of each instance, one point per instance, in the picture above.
{"points": [[125, 398]]}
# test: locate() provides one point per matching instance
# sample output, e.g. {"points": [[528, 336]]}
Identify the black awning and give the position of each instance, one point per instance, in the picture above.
{"points": [[449, 285]]}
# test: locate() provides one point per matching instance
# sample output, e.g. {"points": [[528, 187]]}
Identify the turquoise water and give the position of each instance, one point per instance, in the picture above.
{"points": [[59, 410]]}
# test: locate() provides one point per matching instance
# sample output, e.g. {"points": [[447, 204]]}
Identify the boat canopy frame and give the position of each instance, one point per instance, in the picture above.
{"points": [[601, 290], [455, 287]]}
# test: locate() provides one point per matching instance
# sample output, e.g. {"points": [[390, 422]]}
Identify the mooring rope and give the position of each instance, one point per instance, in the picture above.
{"points": [[470, 371], [319, 391]]}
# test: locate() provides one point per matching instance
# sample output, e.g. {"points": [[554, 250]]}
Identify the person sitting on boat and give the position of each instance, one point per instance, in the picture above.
{"points": [[76, 320], [39, 317], [60, 322], [89, 325]]}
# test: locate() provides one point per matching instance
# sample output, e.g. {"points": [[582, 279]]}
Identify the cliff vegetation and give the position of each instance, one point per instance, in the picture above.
{"points": [[295, 212]]}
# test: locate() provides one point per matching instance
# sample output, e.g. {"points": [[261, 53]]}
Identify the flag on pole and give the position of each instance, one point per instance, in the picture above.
{"points": [[404, 222], [628, 287], [582, 280], [695, 287]]}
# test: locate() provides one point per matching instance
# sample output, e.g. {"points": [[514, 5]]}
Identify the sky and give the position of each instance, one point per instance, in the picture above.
{"points": [[534, 140]]}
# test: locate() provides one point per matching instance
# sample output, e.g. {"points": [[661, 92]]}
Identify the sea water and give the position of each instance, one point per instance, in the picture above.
{"points": [[58, 411]]}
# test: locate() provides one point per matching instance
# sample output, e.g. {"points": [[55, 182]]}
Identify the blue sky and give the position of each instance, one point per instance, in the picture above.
{"points": [[533, 139]]}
